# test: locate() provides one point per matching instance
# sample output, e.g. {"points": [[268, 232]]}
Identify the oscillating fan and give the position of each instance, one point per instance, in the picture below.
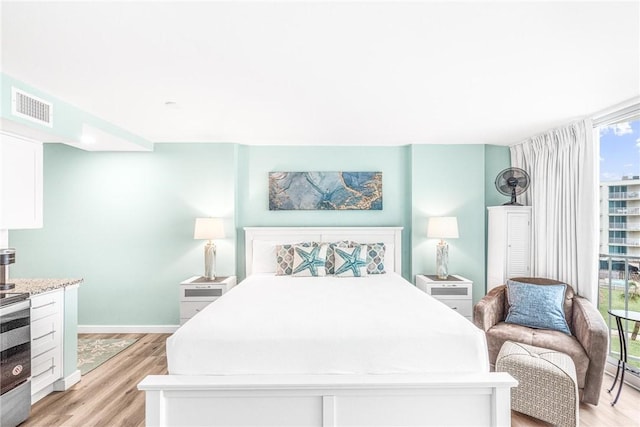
{"points": [[512, 182]]}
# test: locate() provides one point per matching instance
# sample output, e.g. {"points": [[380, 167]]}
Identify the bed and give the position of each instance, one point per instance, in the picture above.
{"points": [[326, 351]]}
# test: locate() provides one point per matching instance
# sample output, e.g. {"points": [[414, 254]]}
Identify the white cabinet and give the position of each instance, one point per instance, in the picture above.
{"points": [[454, 291], [47, 320], [198, 292], [509, 244], [20, 182]]}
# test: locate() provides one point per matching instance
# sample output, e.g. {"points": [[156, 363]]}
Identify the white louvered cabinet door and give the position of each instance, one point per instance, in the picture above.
{"points": [[518, 243], [509, 244]]}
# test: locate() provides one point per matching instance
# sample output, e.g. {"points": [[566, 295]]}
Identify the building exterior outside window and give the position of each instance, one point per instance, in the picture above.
{"points": [[620, 219]]}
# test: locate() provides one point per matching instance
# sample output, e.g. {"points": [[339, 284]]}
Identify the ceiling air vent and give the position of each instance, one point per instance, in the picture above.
{"points": [[31, 107]]}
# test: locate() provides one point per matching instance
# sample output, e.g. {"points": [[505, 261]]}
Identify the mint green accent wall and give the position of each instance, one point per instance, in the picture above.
{"points": [[496, 159], [70, 331], [448, 180], [67, 119], [124, 222], [256, 162]]}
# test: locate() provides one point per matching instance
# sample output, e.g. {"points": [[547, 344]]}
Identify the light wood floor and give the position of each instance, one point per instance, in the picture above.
{"points": [[107, 396]]}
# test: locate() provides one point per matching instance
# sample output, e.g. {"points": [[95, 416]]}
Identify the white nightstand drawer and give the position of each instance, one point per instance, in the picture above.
{"points": [[450, 291], [189, 309], [455, 292], [201, 292], [462, 306], [197, 292]]}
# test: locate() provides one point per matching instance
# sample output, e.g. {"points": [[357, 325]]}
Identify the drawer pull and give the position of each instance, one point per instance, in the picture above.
{"points": [[46, 371], [45, 335], [455, 308], [44, 305]]}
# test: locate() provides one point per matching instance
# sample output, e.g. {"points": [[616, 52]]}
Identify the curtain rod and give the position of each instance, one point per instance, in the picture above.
{"points": [[624, 110]]}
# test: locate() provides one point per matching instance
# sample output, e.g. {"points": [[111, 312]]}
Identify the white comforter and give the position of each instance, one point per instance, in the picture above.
{"points": [[296, 325]]}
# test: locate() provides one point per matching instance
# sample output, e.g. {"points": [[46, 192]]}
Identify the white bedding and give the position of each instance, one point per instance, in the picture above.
{"points": [[308, 325]]}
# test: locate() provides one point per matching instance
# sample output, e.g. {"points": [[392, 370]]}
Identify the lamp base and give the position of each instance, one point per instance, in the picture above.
{"points": [[210, 261], [442, 260]]}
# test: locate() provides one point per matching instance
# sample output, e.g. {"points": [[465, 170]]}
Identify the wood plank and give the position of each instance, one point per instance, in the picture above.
{"points": [[108, 396]]}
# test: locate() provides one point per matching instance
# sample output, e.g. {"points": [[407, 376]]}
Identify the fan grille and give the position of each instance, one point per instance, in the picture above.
{"points": [[512, 182]]}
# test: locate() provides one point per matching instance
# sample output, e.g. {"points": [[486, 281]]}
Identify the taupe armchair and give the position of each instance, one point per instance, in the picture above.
{"points": [[587, 346]]}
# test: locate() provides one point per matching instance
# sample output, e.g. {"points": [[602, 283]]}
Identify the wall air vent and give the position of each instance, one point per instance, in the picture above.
{"points": [[31, 107]]}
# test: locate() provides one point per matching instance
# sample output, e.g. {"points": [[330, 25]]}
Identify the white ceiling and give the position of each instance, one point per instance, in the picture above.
{"points": [[328, 73]]}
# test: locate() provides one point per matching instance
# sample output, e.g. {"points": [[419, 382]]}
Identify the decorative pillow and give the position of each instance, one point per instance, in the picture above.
{"points": [[309, 261], [537, 306], [284, 257], [351, 261], [331, 258], [375, 258]]}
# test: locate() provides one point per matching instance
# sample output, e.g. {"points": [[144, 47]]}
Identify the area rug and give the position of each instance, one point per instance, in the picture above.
{"points": [[94, 352]]}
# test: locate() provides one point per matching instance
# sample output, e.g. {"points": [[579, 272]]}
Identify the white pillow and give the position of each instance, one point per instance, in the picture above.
{"points": [[264, 257]]}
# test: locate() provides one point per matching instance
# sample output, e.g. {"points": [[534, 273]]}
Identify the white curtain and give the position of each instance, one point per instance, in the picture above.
{"points": [[564, 195]]}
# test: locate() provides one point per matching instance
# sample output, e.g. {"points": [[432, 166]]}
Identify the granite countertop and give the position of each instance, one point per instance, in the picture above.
{"points": [[38, 286]]}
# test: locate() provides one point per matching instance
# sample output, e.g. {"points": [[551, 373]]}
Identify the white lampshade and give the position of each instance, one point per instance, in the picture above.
{"points": [[208, 229], [442, 227]]}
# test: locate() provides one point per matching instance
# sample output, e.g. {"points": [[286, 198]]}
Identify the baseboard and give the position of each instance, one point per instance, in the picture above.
{"points": [[68, 381], [42, 393], [127, 329], [629, 379]]}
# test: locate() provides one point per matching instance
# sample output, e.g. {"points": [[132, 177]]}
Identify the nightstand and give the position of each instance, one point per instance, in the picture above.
{"points": [[198, 292], [455, 291]]}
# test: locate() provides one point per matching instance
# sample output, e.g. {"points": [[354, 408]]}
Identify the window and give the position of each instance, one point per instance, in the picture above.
{"points": [[619, 276], [619, 250]]}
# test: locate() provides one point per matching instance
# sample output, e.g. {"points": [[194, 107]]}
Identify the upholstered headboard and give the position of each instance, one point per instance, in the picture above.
{"points": [[390, 236]]}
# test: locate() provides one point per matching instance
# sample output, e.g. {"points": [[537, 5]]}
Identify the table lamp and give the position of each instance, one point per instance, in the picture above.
{"points": [[442, 227], [209, 229]]}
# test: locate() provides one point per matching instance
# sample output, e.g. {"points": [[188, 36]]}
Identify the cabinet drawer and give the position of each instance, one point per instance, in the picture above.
{"points": [[46, 333], [46, 304], [449, 291], [195, 293], [462, 306], [189, 309], [46, 369]]}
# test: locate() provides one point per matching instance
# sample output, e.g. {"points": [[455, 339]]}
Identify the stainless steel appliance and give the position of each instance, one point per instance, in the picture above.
{"points": [[15, 358], [7, 256]]}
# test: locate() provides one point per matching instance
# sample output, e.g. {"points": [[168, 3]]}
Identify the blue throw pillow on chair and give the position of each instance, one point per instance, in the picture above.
{"points": [[537, 306]]}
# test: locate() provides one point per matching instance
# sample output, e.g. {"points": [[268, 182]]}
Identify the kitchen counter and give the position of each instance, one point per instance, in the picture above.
{"points": [[38, 286]]}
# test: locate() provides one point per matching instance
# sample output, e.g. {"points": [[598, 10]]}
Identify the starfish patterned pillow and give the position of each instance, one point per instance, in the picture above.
{"points": [[284, 257], [351, 262], [309, 261]]}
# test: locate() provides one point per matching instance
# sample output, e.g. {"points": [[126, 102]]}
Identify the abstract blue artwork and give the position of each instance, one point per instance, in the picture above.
{"points": [[325, 191]]}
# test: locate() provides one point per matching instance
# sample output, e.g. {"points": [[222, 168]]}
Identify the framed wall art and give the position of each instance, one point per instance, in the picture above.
{"points": [[325, 191]]}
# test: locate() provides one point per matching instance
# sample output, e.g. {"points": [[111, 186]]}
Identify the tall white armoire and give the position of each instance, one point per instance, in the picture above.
{"points": [[509, 244]]}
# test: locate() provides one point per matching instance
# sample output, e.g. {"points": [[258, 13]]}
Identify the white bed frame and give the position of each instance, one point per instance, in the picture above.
{"points": [[329, 400]]}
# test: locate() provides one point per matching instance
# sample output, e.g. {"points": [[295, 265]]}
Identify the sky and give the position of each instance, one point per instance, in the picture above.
{"points": [[619, 150]]}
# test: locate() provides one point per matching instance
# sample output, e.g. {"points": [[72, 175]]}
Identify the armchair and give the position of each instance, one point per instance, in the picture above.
{"points": [[587, 346]]}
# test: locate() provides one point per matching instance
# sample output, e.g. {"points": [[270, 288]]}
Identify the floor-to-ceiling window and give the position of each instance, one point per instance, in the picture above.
{"points": [[619, 277]]}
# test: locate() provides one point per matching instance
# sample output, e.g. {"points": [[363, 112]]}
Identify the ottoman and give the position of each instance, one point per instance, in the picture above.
{"points": [[547, 389]]}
